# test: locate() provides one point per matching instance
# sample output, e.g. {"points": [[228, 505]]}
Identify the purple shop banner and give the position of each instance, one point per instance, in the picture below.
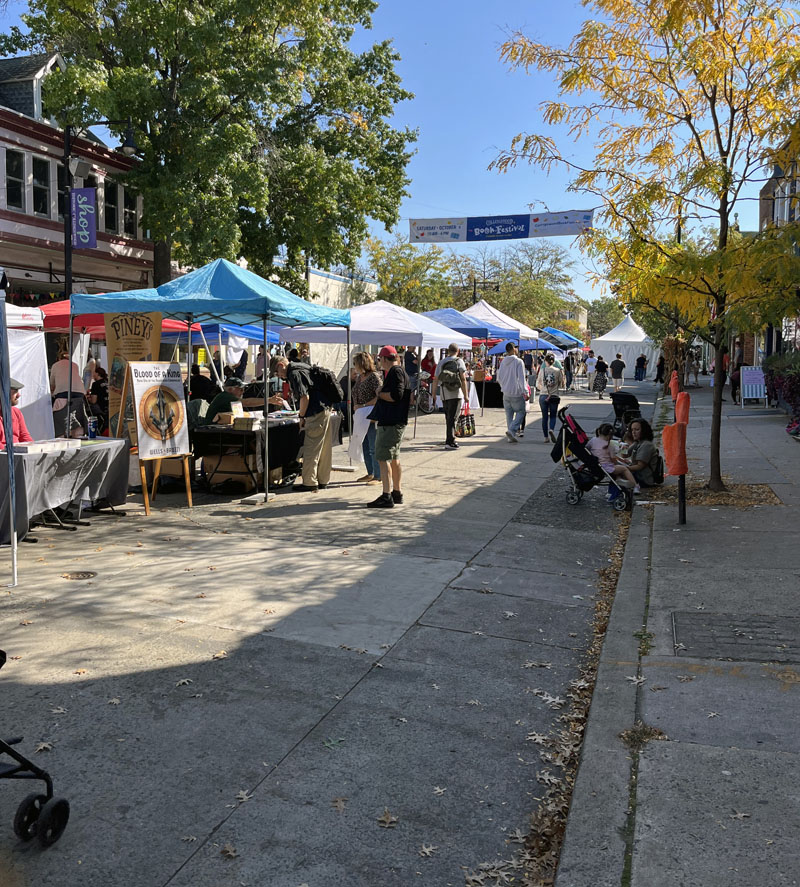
{"points": [[84, 225]]}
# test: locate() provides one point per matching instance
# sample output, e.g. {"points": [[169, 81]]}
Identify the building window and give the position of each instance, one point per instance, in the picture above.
{"points": [[41, 187], [130, 214], [61, 184], [112, 207], [15, 180]]}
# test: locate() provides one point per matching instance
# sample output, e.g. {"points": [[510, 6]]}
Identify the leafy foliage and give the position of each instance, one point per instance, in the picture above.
{"points": [[261, 130], [604, 315], [415, 277]]}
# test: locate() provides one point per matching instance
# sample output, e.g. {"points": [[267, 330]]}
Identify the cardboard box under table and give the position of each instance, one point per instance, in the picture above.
{"points": [[229, 453]]}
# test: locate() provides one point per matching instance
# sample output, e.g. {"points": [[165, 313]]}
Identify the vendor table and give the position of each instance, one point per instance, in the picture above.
{"points": [[474, 402], [46, 481], [494, 394], [210, 441]]}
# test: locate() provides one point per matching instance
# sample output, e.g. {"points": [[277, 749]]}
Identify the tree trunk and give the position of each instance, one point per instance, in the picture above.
{"points": [[715, 478], [162, 261]]}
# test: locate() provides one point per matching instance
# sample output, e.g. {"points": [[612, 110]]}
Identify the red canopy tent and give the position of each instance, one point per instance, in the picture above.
{"points": [[56, 320]]}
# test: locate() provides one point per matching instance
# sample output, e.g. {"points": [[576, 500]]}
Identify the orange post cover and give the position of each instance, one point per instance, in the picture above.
{"points": [[674, 384], [682, 404], [673, 437]]}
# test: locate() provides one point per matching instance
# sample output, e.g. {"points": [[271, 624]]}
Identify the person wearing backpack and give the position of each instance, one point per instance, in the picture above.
{"points": [[644, 460], [451, 377], [314, 390]]}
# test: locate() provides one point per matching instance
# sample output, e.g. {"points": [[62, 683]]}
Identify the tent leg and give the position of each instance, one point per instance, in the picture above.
{"points": [[68, 426], [266, 412], [349, 396], [483, 389], [213, 365], [6, 419], [189, 351]]}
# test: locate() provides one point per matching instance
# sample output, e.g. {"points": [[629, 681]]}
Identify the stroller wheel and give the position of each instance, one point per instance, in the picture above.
{"points": [[573, 497], [52, 821], [27, 816], [621, 502]]}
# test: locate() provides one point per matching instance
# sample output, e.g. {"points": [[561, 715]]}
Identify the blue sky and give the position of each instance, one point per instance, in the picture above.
{"points": [[468, 106]]}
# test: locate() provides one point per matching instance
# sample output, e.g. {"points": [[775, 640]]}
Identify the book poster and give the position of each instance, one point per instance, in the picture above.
{"points": [[160, 408], [129, 336]]}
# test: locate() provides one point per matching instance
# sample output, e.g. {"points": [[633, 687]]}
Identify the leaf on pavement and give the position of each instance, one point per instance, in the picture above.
{"points": [[183, 682], [229, 851], [220, 654], [243, 795], [387, 820], [339, 804], [43, 746], [428, 849]]}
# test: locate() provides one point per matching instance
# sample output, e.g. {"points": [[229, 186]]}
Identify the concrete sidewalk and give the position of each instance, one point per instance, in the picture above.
{"points": [[703, 646], [241, 692]]}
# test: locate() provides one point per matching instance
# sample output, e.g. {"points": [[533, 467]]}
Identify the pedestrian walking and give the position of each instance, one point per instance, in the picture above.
{"points": [[451, 377], [568, 364], [641, 368], [391, 414], [511, 377], [660, 363], [591, 368], [549, 382], [600, 376], [617, 371]]}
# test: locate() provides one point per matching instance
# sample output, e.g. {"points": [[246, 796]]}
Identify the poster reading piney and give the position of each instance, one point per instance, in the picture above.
{"points": [[158, 401], [129, 336]]}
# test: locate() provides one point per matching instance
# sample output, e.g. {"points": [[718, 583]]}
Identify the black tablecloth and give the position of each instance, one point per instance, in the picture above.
{"points": [[493, 397], [285, 439], [51, 480]]}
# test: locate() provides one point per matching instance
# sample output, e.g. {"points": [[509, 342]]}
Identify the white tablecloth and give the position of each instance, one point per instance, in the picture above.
{"points": [[474, 403]]}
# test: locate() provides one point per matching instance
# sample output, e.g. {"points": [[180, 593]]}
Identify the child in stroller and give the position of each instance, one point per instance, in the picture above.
{"points": [[584, 468], [626, 409]]}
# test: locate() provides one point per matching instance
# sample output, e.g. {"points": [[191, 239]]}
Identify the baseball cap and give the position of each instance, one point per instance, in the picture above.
{"points": [[387, 351], [14, 384], [234, 382]]}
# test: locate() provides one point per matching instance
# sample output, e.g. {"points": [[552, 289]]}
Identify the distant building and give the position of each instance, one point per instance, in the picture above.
{"points": [[33, 195]]}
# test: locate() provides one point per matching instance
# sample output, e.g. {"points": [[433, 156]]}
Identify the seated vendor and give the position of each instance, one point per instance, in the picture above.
{"points": [[19, 428], [234, 389], [642, 452], [201, 386]]}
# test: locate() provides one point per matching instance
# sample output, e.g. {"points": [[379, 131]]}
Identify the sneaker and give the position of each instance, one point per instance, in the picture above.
{"points": [[365, 479], [383, 501], [637, 489], [322, 486], [451, 446], [520, 434], [397, 497], [302, 488], [553, 438], [511, 437]]}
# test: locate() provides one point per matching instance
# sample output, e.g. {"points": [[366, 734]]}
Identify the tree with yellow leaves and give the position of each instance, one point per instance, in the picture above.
{"points": [[690, 104]]}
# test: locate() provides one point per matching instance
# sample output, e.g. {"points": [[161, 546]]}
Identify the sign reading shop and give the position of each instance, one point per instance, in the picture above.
{"points": [[84, 218]]}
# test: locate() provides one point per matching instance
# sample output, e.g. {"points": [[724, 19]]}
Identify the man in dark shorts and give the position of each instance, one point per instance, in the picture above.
{"points": [[391, 415]]}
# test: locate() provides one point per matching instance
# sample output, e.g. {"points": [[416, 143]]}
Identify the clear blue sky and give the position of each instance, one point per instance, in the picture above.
{"points": [[468, 106]]}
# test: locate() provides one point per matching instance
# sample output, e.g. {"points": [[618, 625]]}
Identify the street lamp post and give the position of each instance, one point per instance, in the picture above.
{"points": [[128, 148]]}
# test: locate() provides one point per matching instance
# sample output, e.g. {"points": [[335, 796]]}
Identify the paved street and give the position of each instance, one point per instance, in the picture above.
{"points": [[364, 661], [706, 617]]}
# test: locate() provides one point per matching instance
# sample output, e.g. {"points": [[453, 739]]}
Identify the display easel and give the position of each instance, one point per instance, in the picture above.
{"points": [[185, 458]]}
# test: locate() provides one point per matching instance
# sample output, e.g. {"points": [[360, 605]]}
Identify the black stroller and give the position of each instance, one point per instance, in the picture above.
{"points": [[626, 409], [39, 815], [583, 467]]}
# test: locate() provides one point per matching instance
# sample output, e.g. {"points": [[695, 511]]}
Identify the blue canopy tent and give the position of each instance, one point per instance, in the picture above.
{"points": [[219, 291], [469, 326], [567, 340], [524, 345]]}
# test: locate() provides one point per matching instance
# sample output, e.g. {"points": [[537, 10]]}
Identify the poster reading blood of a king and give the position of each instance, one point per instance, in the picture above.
{"points": [[129, 337], [160, 407]]}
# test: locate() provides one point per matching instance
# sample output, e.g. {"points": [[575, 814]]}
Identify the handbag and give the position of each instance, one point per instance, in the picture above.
{"points": [[466, 423]]}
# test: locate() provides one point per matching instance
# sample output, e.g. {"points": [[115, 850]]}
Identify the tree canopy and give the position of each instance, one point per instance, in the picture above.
{"points": [[259, 128], [686, 104]]}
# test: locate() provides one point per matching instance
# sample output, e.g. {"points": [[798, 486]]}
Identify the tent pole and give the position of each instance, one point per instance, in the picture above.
{"points": [[213, 365], [68, 424], [350, 420], [266, 412], [8, 427], [189, 351]]}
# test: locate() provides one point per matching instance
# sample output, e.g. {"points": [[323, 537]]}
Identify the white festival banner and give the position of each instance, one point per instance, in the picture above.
{"points": [[567, 223], [438, 230]]}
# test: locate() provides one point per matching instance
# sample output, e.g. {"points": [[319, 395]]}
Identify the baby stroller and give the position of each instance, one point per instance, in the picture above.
{"points": [[626, 409], [583, 467], [39, 815]]}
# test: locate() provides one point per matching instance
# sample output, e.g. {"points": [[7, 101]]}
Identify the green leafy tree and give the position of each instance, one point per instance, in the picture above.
{"points": [[260, 130], [415, 277], [604, 314], [686, 104]]}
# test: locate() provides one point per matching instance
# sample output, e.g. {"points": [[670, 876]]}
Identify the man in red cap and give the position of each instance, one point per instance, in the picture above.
{"points": [[391, 415], [20, 429]]}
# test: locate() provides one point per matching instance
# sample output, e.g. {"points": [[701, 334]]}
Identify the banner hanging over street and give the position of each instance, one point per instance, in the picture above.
{"points": [[514, 227]]}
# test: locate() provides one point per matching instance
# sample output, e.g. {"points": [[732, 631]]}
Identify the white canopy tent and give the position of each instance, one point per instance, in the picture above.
{"points": [[28, 364], [382, 323], [629, 340], [484, 311]]}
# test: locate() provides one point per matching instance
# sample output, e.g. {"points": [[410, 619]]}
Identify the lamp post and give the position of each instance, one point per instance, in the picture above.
{"points": [[128, 148]]}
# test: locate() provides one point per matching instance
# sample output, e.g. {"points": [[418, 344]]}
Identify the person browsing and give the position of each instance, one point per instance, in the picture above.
{"points": [[19, 430], [451, 377], [548, 383], [391, 415]]}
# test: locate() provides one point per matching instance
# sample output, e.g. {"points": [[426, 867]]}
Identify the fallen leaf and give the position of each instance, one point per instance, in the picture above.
{"points": [[221, 654], [507, 614], [26, 622], [183, 682], [438, 790], [79, 671], [18, 657], [473, 702], [737, 815], [387, 820], [188, 838], [685, 678], [139, 545], [332, 743], [634, 680], [538, 738], [339, 804], [59, 711], [44, 746], [713, 714], [402, 720], [229, 852], [115, 701], [243, 796], [428, 849]]}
